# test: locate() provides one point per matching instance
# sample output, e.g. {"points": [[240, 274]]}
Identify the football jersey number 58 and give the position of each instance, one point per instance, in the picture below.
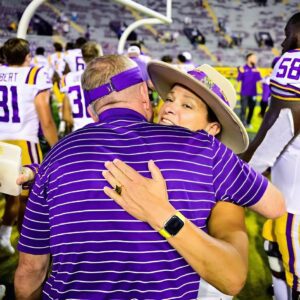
{"points": [[289, 68]]}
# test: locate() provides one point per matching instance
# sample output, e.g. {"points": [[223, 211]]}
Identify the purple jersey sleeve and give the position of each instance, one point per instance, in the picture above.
{"points": [[35, 232], [234, 180]]}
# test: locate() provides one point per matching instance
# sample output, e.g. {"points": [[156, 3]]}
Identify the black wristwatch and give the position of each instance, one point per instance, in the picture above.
{"points": [[173, 225]]}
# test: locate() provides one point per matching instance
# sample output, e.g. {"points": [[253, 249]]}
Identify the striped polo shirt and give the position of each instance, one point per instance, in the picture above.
{"points": [[101, 252]]}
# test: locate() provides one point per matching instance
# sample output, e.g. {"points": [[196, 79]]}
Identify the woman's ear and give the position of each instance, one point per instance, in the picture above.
{"points": [[213, 128]]}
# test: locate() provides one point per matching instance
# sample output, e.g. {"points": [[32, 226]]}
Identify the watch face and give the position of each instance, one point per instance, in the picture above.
{"points": [[174, 225]]}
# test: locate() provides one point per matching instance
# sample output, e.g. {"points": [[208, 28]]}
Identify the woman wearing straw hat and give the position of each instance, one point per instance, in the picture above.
{"points": [[183, 107], [201, 99]]}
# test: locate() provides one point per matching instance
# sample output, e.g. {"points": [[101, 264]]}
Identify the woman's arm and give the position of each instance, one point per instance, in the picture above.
{"points": [[221, 259]]}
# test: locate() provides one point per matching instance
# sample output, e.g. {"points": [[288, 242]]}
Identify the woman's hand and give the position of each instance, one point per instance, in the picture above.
{"points": [[143, 198]]}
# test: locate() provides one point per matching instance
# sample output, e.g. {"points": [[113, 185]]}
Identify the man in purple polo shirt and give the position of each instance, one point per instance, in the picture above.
{"points": [[98, 250], [249, 76]]}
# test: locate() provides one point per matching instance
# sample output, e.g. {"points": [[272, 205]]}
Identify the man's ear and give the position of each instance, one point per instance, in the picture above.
{"points": [[145, 95], [92, 114], [147, 106], [213, 128]]}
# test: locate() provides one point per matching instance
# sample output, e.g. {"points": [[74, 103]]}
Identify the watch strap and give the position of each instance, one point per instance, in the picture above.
{"points": [[164, 232]]}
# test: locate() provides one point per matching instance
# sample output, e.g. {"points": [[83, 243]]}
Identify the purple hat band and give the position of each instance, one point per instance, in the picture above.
{"points": [[201, 76], [117, 83]]}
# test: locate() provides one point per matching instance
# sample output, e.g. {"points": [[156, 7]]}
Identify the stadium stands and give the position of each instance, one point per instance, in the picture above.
{"points": [[240, 19], [194, 36], [264, 39]]}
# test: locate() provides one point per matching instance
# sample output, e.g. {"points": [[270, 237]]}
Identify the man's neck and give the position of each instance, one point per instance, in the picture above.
{"points": [[120, 113]]}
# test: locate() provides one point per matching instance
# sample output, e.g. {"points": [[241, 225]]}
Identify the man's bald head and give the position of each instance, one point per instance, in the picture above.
{"points": [[100, 71]]}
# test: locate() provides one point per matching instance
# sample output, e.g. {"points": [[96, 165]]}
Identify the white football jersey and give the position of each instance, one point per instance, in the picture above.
{"points": [[285, 78], [42, 61], [71, 86], [18, 88], [284, 163], [57, 62], [74, 59]]}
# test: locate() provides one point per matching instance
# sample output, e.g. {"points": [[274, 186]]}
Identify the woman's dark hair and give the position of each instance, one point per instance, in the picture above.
{"points": [[211, 116]]}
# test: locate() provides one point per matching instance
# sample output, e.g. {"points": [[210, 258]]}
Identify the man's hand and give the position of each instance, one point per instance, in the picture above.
{"points": [[25, 176]]}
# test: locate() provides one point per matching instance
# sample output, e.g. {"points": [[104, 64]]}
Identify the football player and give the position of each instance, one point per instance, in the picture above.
{"points": [[24, 102]]}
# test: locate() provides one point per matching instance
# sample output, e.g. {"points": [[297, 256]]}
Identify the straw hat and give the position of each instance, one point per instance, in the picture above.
{"points": [[213, 88]]}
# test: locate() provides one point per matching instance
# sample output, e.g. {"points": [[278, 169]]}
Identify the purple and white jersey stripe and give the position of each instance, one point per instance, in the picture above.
{"points": [[101, 252]]}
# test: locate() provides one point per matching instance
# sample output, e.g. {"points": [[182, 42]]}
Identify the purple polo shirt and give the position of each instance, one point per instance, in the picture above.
{"points": [[249, 77], [101, 252]]}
